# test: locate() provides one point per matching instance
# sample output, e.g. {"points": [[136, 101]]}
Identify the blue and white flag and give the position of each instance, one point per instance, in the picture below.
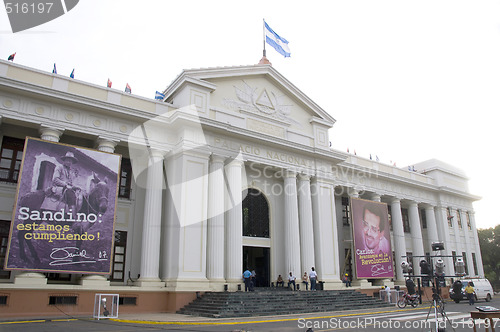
{"points": [[72, 75], [159, 95], [54, 71], [280, 44]]}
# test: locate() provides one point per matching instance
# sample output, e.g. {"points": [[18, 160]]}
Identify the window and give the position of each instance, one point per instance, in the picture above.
{"points": [[449, 217], [459, 219], [4, 240], [464, 255], [63, 300], [423, 219], [10, 158], [118, 273], [474, 263], [467, 216], [346, 211], [125, 178], [255, 214], [127, 300], [454, 254], [406, 220]]}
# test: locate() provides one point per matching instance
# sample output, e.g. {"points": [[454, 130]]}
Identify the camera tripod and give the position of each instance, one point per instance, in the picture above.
{"points": [[438, 306]]}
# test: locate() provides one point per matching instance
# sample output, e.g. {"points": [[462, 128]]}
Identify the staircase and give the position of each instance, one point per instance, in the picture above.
{"points": [[277, 301]]}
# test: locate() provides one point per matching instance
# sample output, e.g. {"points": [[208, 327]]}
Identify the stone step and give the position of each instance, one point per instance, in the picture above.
{"points": [[273, 302]]}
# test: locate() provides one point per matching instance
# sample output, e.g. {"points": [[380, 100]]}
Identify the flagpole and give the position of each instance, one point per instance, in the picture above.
{"points": [[264, 35]]}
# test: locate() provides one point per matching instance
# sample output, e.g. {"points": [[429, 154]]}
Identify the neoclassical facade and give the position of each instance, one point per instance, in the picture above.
{"points": [[233, 169]]}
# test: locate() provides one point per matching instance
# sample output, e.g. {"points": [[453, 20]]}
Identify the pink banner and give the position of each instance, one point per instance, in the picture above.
{"points": [[372, 244]]}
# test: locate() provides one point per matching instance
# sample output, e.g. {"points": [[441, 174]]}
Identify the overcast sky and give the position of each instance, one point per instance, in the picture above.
{"points": [[406, 80]]}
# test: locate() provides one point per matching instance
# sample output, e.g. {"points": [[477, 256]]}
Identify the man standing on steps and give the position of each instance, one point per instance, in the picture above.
{"points": [[291, 280], [246, 278], [312, 277]]}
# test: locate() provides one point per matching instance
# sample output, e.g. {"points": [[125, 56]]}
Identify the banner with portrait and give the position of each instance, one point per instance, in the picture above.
{"points": [[372, 242], [63, 219]]}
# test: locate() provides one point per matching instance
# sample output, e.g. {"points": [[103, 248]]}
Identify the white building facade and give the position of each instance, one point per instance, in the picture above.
{"points": [[233, 169]]}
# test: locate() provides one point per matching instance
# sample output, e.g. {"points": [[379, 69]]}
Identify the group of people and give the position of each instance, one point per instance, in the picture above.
{"points": [[312, 277]]}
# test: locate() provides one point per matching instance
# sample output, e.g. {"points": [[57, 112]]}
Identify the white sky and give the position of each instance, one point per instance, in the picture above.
{"points": [[405, 80]]}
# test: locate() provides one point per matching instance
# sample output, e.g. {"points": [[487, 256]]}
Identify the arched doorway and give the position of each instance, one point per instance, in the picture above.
{"points": [[256, 226]]}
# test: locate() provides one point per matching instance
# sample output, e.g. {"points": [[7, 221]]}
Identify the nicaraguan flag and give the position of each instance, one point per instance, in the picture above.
{"points": [[72, 75], [159, 95], [54, 71], [280, 44]]}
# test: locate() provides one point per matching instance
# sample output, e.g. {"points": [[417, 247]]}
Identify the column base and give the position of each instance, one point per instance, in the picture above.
{"points": [[149, 282], [188, 285], [94, 281], [217, 285], [30, 278], [332, 285], [383, 282], [361, 283]]}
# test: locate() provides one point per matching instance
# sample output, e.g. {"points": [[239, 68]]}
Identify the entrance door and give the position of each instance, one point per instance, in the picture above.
{"points": [[257, 258]]}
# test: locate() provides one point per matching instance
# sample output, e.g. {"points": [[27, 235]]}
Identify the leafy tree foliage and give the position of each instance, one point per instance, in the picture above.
{"points": [[489, 240]]}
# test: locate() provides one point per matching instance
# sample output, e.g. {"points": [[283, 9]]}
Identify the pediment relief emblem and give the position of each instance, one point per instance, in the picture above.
{"points": [[262, 102]]}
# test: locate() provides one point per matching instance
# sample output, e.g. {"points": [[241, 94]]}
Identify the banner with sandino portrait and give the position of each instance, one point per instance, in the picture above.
{"points": [[63, 219], [372, 243]]}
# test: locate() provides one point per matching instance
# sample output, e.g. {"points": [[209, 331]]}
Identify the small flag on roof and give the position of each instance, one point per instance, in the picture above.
{"points": [[128, 89], [279, 43], [109, 83], [11, 57], [54, 71], [72, 75], [159, 95]]}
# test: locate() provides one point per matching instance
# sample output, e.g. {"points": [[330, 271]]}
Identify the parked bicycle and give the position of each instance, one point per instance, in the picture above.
{"points": [[408, 299]]}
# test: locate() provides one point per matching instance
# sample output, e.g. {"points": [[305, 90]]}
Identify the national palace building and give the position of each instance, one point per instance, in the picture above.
{"points": [[232, 169]]}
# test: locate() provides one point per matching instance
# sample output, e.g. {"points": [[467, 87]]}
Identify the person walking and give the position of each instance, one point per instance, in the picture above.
{"points": [[313, 276], [469, 290]]}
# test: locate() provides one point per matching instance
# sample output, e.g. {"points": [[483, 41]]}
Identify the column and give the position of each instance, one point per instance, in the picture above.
{"points": [[306, 224], [444, 236], [432, 232], [151, 228], [106, 145], [292, 238], [399, 237], [50, 134], [326, 252], [416, 236], [234, 225], [468, 247], [456, 230], [215, 228], [479, 258]]}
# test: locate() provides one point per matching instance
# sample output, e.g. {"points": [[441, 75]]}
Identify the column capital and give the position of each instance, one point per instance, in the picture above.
{"points": [[217, 159], [106, 144], [428, 206], [304, 177], [156, 153], [395, 200], [289, 174], [376, 197], [50, 133], [236, 163], [352, 192], [413, 204]]}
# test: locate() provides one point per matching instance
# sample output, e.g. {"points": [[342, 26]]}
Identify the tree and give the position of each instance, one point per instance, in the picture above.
{"points": [[489, 241]]}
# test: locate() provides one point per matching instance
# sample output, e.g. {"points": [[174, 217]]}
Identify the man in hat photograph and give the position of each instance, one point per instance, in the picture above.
{"points": [[64, 190]]}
